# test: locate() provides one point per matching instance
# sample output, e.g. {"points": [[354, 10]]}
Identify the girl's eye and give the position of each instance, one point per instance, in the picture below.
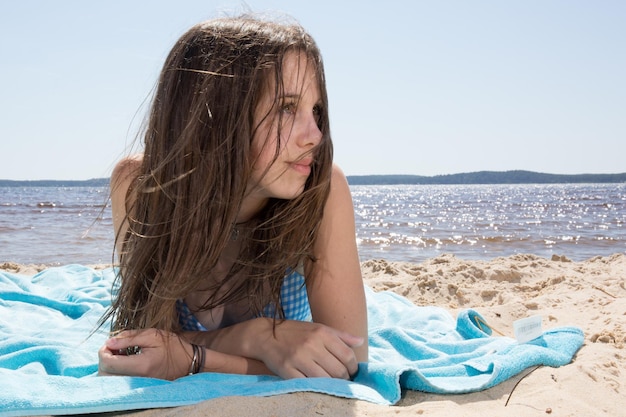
{"points": [[289, 108], [317, 113]]}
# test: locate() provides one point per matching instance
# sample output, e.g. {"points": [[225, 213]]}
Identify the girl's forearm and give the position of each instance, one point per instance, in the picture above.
{"points": [[240, 339], [229, 349], [231, 364]]}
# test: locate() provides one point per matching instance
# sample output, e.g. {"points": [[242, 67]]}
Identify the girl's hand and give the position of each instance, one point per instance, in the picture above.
{"points": [[295, 349], [150, 353]]}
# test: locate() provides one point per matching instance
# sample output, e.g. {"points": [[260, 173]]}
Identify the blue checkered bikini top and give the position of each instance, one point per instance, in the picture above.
{"points": [[293, 299]]}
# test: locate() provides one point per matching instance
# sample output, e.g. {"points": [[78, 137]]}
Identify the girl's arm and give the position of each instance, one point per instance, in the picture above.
{"points": [[167, 356], [291, 349], [336, 292]]}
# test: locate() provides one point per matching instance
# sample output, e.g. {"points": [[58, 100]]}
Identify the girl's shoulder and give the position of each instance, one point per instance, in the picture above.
{"points": [[123, 176], [338, 181], [125, 173], [337, 173], [126, 169], [339, 188]]}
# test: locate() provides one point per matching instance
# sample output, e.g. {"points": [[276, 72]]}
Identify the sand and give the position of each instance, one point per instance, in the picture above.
{"points": [[589, 294]]}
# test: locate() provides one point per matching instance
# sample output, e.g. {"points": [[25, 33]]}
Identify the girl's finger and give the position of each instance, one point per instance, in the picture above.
{"points": [[129, 341]]}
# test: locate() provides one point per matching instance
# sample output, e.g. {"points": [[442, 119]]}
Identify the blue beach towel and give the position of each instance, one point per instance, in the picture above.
{"points": [[48, 362]]}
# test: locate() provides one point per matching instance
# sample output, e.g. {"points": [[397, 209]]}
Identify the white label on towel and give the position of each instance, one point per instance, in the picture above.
{"points": [[527, 329]]}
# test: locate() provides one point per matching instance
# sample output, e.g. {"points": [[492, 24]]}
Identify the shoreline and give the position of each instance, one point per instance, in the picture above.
{"points": [[589, 294], [461, 178]]}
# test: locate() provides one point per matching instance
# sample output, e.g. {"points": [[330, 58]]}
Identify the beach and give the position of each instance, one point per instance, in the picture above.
{"points": [[590, 294]]}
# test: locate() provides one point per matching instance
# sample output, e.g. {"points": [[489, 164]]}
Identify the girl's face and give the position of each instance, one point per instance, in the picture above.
{"points": [[284, 175]]}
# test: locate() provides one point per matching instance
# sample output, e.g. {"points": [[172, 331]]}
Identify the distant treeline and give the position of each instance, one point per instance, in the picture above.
{"points": [[482, 177], [487, 177], [95, 182]]}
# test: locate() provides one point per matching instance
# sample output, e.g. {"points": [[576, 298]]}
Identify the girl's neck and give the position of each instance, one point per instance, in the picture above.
{"points": [[251, 206]]}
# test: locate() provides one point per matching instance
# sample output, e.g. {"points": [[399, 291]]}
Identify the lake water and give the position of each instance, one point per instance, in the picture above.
{"points": [[60, 225], [55, 225], [485, 221]]}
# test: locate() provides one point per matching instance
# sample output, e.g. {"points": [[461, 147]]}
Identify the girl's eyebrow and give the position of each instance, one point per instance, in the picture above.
{"points": [[293, 96]]}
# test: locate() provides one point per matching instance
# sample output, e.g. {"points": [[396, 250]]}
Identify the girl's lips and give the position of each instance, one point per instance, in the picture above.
{"points": [[304, 169], [303, 166]]}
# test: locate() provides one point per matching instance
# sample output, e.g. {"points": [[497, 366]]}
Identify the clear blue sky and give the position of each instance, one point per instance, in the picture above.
{"points": [[415, 87]]}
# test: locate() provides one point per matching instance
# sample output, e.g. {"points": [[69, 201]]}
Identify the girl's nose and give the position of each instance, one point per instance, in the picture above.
{"points": [[312, 134]]}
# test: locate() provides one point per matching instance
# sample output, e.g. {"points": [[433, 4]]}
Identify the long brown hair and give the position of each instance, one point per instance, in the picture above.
{"points": [[197, 164]]}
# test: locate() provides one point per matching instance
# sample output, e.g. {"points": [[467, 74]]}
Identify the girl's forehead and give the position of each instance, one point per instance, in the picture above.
{"points": [[298, 69], [298, 73]]}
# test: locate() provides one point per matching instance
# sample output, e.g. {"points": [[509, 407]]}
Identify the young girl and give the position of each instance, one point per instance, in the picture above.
{"points": [[235, 232]]}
